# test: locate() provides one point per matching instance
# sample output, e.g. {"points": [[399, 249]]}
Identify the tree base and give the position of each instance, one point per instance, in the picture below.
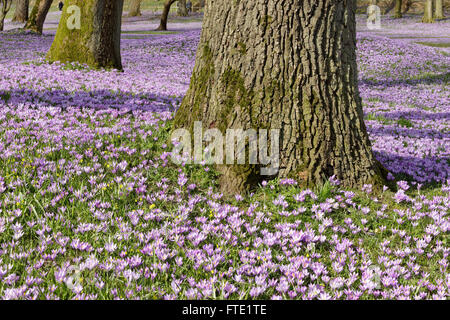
{"points": [[28, 31], [427, 20]]}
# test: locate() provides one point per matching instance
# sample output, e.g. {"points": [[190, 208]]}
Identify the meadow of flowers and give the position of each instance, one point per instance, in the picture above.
{"points": [[91, 206]]}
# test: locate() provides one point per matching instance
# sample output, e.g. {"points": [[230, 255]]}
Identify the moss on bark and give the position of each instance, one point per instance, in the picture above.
{"points": [[256, 73]]}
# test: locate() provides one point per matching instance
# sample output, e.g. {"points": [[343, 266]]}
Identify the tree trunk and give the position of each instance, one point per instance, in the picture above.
{"points": [[439, 10], [21, 13], [288, 66], [135, 8], [428, 14], [389, 7], [97, 42], [165, 15], [398, 9], [38, 14], [5, 5], [182, 10]]}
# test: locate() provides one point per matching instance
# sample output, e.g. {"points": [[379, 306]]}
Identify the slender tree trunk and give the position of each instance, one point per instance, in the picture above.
{"points": [[38, 14], [5, 5], [165, 15], [398, 9], [21, 13], [439, 10], [182, 10], [97, 42], [428, 14], [291, 67], [135, 8]]}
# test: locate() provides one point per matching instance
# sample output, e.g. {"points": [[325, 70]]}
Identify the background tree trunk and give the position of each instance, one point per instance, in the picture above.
{"points": [[97, 43], [135, 8], [439, 10], [165, 15], [398, 9], [428, 13], [389, 7], [38, 14], [182, 10], [21, 13], [289, 66], [5, 5]]}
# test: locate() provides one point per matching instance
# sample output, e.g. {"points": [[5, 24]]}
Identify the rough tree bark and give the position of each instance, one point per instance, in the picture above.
{"points": [[398, 9], [182, 10], [290, 66], [97, 42], [439, 10], [165, 15], [135, 8], [38, 14], [428, 13], [21, 12], [5, 5]]}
